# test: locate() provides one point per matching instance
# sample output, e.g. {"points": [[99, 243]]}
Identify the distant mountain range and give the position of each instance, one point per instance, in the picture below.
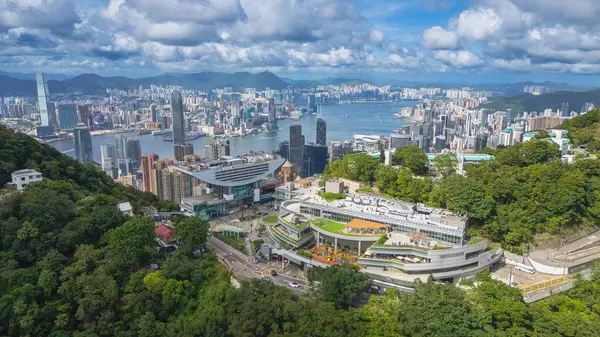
{"points": [[554, 101], [96, 84], [24, 84], [31, 76], [514, 89]]}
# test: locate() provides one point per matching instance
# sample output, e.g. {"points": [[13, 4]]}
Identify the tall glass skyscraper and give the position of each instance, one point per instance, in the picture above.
{"points": [[67, 116], [178, 125], [296, 144], [82, 141], [108, 154], [133, 153], [43, 97], [272, 126], [321, 132]]}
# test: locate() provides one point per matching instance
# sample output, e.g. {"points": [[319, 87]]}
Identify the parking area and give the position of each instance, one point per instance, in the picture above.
{"points": [[520, 278]]}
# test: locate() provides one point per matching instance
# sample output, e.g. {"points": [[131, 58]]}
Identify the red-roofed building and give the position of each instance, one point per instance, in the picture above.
{"points": [[164, 233]]}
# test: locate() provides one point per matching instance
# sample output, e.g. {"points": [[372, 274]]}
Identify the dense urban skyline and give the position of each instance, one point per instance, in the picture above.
{"points": [[430, 40]]}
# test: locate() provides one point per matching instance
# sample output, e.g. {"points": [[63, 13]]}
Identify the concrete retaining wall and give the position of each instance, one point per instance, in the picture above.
{"points": [[511, 258], [542, 268]]}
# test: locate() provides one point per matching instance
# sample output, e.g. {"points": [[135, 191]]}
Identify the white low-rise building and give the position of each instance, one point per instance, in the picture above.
{"points": [[22, 178], [125, 208]]}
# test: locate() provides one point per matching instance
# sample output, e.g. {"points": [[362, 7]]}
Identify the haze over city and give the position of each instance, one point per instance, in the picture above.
{"points": [[477, 41]]}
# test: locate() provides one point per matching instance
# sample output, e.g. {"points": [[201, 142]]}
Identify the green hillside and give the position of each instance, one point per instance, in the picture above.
{"points": [[540, 103], [71, 265], [585, 130]]}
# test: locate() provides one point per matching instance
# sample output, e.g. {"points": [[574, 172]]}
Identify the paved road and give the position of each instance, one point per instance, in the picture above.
{"points": [[243, 268]]}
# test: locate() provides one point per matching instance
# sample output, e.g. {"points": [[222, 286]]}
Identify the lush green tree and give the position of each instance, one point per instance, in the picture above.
{"points": [[412, 189], [385, 179], [339, 284], [468, 196], [192, 232], [379, 318], [412, 157], [131, 244], [445, 164], [354, 166], [500, 309], [436, 310], [541, 134]]}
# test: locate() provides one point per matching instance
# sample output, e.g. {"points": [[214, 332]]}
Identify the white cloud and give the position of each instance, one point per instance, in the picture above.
{"points": [[478, 23], [376, 36], [512, 65], [439, 38], [458, 59]]}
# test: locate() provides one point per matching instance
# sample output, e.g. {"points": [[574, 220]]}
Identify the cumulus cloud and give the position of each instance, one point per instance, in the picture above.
{"points": [[439, 38], [297, 36], [58, 16], [376, 36], [459, 59], [478, 23]]}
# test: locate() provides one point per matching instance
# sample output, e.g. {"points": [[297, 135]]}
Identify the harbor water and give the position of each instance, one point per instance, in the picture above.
{"points": [[343, 121]]}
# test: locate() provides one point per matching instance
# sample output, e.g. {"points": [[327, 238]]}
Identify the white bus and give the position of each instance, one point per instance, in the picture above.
{"points": [[525, 268]]}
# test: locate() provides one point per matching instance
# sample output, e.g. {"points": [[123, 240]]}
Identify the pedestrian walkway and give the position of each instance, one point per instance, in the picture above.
{"points": [[543, 285]]}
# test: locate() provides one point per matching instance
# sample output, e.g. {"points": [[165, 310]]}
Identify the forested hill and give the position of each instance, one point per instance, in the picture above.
{"points": [[539, 103], [19, 151], [71, 265], [585, 130]]}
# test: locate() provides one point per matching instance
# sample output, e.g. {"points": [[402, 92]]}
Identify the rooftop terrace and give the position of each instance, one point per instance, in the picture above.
{"points": [[393, 209]]}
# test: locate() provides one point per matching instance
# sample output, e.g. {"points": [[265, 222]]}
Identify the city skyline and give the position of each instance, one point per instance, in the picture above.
{"points": [[425, 40]]}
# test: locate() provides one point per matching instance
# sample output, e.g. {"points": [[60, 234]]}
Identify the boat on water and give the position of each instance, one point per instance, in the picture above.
{"points": [[143, 132], [188, 136], [161, 132]]}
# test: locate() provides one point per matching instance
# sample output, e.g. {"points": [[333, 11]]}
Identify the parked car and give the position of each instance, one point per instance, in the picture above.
{"points": [[273, 272], [294, 285]]}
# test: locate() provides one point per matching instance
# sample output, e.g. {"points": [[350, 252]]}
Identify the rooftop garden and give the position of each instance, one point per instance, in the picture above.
{"points": [[270, 219], [330, 226], [336, 227], [332, 196]]}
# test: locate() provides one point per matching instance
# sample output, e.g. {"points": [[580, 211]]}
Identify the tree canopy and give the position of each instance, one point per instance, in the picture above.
{"points": [[72, 265], [412, 157]]}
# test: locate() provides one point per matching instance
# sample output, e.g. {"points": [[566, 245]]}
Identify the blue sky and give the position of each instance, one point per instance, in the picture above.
{"points": [[475, 41]]}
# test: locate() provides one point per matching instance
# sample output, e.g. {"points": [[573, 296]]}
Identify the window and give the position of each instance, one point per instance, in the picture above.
{"points": [[22, 178]]}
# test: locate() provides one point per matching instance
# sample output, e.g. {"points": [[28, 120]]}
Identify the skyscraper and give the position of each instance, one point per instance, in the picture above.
{"points": [[82, 141], [43, 97], [296, 144], [284, 149], [108, 155], [67, 116], [84, 115], [311, 102], [178, 125], [321, 132], [314, 159], [148, 176], [272, 126], [45, 108], [153, 113], [133, 153]]}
